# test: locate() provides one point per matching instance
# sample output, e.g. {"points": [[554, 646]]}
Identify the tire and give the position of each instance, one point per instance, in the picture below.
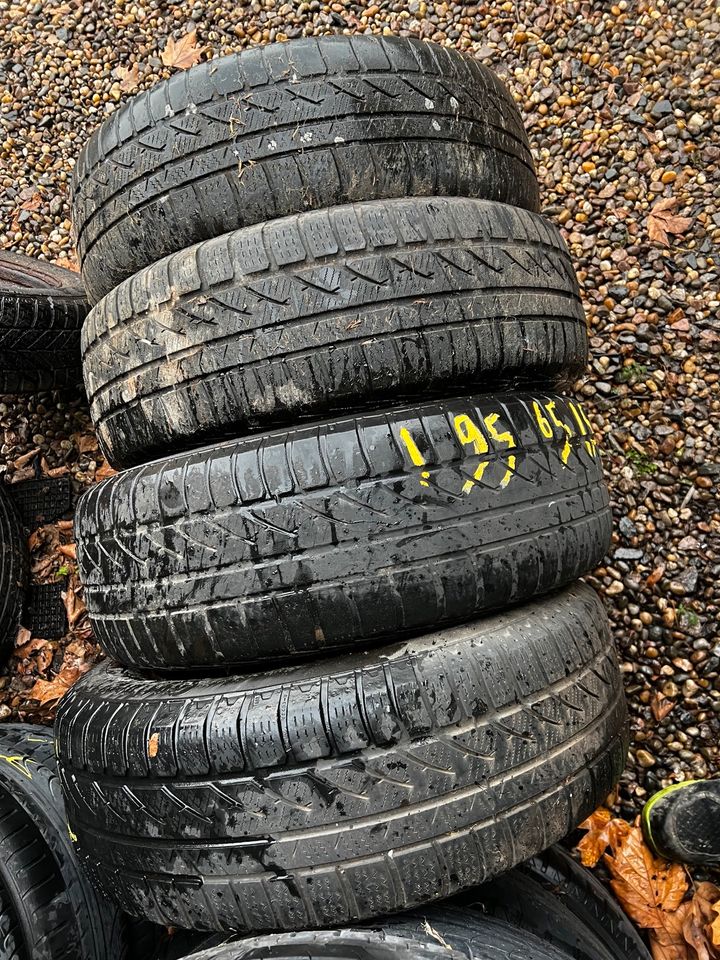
{"points": [[59, 914], [330, 310], [454, 936], [290, 127], [14, 566], [557, 900], [342, 790], [42, 308], [335, 944], [11, 947], [319, 538]]}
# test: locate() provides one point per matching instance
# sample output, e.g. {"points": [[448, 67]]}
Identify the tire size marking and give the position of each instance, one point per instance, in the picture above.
{"points": [[492, 441]]}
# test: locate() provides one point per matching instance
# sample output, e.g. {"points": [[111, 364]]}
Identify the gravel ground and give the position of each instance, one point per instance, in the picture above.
{"points": [[622, 104]]}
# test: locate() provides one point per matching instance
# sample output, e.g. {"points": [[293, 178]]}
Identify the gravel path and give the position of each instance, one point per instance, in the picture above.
{"points": [[623, 107]]}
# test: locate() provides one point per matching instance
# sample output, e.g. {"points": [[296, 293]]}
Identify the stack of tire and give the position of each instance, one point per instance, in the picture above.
{"points": [[350, 669]]}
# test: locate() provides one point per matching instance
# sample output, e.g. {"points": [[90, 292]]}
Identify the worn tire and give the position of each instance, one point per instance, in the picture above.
{"points": [[561, 902], [330, 310], [344, 789], [289, 127], [351, 531], [452, 935], [42, 308], [60, 916], [14, 567]]}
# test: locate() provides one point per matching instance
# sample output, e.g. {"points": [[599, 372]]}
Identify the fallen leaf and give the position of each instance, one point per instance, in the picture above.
{"points": [[67, 264], [698, 925], [47, 691], [649, 889], [23, 636], [662, 221], [595, 842], [105, 471], [668, 943], [53, 472], [660, 706], [153, 745], [656, 575], [715, 925], [182, 54], [68, 550], [25, 458], [129, 77]]}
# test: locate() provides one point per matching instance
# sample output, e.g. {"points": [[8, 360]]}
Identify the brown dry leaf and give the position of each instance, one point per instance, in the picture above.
{"points": [[662, 221], [68, 550], [656, 575], [129, 77], [74, 606], [715, 925], [649, 889], [105, 471], [23, 636], [595, 842], [669, 943], [85, 442], [53, 471], [25, 458], [47, 691], [67, 264], [660, 705], [153, 745], [182, 54]]}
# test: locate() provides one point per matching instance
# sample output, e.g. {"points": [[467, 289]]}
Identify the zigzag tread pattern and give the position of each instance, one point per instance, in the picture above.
{"points": [[202, 553], [308, 314], [203, 162]]}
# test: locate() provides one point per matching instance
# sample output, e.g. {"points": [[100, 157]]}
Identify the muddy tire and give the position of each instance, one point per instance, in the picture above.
{"points": [[330, 310], [289, 127], [347, 788], [59, 915], [42, 308], [353, 531], [13, 571]]}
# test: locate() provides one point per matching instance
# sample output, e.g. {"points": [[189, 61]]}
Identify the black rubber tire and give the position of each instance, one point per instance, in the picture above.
{"points": [[60, 915], [14, 566], [357, 944], [326, 536], [326, 311], [11, 945], [289, 127], [449, 934], [344, 789], [42, 308], [559, 901]]}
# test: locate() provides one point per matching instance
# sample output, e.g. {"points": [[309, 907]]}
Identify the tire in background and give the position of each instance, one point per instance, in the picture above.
{"points": [[353, 531], [558, 900], [347, 788], [14, 567], [328, 311], [451, 934], [59, 914], [42, 308], [288, 127]]}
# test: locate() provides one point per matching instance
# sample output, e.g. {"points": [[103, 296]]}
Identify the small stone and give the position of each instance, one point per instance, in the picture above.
{"points": [[645, 759], [661, 109]]}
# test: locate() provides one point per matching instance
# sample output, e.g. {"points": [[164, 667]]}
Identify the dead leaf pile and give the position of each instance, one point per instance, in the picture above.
{"points": [[653, 892], [662, 221]]}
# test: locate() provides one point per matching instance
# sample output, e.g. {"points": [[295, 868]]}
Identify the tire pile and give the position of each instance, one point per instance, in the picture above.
{"points": [[351, 668]]}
